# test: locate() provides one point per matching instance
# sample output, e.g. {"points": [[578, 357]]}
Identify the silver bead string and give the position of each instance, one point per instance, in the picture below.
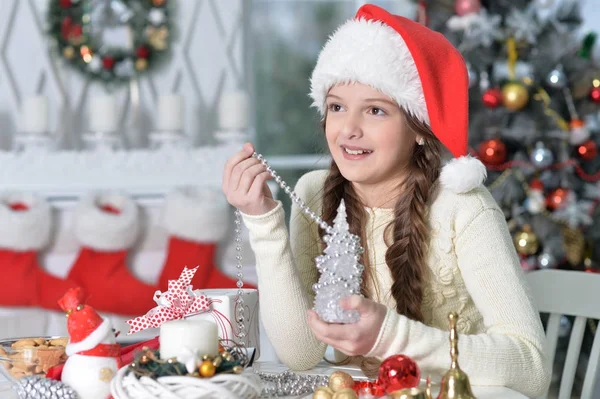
{"points": [[288, 383], [293, 196], [239, 301]]}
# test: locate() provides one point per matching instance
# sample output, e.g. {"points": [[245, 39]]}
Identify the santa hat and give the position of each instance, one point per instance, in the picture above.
{"points": [[87, 329], [417, 67]]}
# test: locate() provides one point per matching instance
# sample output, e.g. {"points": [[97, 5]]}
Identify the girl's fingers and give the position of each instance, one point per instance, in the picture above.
{"points": [[248, 179], [237, 172], [238, 157]]}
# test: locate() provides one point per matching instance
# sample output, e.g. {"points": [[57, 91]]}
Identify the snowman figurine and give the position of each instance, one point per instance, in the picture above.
{"points": [[92, 348]]}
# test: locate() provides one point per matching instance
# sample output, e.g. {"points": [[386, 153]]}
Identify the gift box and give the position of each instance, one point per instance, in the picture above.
{"points": [[222, 304]]}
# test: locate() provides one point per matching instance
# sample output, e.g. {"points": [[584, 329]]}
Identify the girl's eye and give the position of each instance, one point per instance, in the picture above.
{"points": [[376, 111], [335, 107]]}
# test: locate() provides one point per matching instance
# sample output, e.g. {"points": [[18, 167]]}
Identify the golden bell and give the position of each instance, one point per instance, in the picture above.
{"points": [[455, 383], [409, 393]]}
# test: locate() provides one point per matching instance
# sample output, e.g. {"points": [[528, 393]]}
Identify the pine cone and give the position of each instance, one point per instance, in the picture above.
{"points": [[36, 387]]}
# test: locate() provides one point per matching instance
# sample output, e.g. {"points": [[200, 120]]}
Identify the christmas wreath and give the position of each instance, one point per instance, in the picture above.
{"points": [[110, 40]]}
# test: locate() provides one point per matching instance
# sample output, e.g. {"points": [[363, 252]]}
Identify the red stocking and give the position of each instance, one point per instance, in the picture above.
{"points": [[196, 219], [107, 226], [25, 226]]}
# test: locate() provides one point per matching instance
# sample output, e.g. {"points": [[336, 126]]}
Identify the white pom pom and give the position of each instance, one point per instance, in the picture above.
{"points": [[463, 174]]}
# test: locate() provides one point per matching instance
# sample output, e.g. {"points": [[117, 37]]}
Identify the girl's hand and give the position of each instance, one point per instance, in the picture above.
{"points": [[352, 339], [245, 183]]}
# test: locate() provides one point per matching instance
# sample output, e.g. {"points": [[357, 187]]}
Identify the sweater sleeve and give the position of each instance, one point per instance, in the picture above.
{"points": [[286, 272], [511, 351]]}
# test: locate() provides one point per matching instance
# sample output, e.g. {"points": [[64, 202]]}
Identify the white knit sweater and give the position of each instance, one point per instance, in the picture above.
{"points": [[472, 269]]}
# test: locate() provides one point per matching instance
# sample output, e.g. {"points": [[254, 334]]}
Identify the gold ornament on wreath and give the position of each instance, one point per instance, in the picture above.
{"points": [[111, 41]]}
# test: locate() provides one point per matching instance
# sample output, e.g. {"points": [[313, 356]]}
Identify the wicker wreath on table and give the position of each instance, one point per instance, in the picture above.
{"points": [[110, 40], [189, 377]]}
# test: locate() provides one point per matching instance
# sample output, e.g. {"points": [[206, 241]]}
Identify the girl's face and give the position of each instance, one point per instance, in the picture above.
{"points": [[367, 135]]}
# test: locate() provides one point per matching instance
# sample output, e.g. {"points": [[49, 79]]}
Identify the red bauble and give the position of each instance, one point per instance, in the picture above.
{"points": [[492, 98], [588, 150], [398, 372], [64, 3], [595, 95], [557, 198], [108, 62], [492, 152], [142, 52]]}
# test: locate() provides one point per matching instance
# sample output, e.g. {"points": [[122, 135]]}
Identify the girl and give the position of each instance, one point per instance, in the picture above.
{"points": [[394, 93]]}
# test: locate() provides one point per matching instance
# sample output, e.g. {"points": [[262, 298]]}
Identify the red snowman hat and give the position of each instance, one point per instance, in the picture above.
{"points": [[414, 65], [87, 329]]}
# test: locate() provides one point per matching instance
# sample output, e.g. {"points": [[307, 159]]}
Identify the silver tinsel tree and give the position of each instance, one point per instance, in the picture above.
{"points": [[340, 271]]}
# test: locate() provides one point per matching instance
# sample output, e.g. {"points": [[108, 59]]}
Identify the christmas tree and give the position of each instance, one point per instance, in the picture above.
{"points": [[340, 271], [534, 120]]}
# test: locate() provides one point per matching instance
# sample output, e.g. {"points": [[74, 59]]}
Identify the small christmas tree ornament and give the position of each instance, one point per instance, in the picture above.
{"points": [[340, 272], [455, 383], [92, 349], [515, 96], [541, 156], [492, 98], [536, 201], [526, 241], [492, 152], [398, 372]]}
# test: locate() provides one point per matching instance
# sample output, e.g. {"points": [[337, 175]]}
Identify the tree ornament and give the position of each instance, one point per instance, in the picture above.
{"points": [[579, 132], [465, 7], [108, 62], [526, 241], [346, 393], [207, 368], [398, 372], [119, 31], [536, 201], [557, 78], [588, 150], [515, 96], [541, 157], [557, 199], [492, 98], [141, 64], [492, 151], [546, 260], [339, 380], [574, 245], [36, 387], [595, 91]]}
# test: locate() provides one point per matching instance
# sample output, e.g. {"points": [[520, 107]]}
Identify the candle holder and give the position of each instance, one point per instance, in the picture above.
{"points": [[32, 135], [103, 125], [169, 130], [233, 118]]}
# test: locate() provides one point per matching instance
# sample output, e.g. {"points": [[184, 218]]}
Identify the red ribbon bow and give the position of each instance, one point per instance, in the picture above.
{"points": [[176, 303]]}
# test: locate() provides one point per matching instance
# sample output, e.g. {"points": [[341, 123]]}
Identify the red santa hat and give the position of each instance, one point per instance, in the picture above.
{"points": [[417, 67], [87, 329]]}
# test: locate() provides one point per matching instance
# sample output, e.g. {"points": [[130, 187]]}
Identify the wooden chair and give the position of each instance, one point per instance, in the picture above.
{"points": [[571, 293]]}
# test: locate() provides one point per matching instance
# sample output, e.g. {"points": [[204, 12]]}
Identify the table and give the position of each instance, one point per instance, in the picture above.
{"points": [[481, 392]]}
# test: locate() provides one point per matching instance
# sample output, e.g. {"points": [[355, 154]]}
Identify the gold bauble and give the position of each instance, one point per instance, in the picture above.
{"points": [[68, 52], [345, 393], [323, 393], [207, 368], [515, 96], [141, 64], [339, 380], [408, 393], [526, 241]]}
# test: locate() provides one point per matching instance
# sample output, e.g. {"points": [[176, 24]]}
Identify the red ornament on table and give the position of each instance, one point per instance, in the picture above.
{"points": [[492, 98], [588, 150], [595, 95], [398, 372], [557, 199], [492, 151], [464, 7], [108, 62]]}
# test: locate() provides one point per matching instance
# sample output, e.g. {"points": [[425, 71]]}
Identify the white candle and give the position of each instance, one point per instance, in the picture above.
{"points": [[34, 115], [233, 111], [170, 113], [103, 114], [196, 335]]}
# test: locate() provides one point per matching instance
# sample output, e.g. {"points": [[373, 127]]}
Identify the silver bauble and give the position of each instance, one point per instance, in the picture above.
{"points": [[546, 261], [541, 156], [556, 79]]}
